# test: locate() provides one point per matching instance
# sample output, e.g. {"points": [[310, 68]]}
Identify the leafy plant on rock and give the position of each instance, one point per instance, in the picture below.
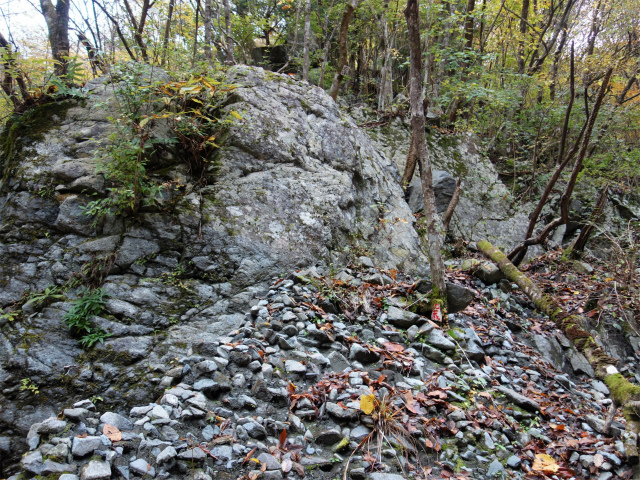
{"points": [[188, 110], [39, 299], [27, 385], [89, 304]]}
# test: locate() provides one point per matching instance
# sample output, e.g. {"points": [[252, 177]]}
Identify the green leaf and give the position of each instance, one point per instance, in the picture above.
{"points": [[236, 114]]}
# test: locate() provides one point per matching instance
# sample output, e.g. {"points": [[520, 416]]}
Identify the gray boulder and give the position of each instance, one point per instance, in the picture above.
{"points": [[443, 187], [401, 318], [458, 297]]}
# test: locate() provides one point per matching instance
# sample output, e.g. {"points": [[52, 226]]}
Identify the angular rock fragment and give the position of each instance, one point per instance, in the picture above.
{"points": [[519, 400]]}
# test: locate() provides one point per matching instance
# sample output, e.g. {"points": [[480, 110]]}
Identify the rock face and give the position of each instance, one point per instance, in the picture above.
{"points": [[443, 187], [297, 178], [486, 209], [298, 184]]}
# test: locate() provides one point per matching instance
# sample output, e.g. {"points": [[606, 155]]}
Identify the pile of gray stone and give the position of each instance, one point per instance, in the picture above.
{"points": [[227, 401]]}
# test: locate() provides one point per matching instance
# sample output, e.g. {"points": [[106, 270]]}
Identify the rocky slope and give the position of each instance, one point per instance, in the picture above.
{"points": [[298, 184], [478, 403]]}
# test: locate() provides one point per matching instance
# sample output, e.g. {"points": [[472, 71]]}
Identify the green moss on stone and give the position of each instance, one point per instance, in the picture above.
{"points": [[22, 129], [621, 389]]}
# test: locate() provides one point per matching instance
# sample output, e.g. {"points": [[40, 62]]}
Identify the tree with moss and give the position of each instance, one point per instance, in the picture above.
{"points": [[434, 229]]}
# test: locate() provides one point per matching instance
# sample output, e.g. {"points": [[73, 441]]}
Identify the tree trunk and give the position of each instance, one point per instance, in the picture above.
{"points": [[95, 59], [307, 39], [195, 36], [227, 25], [447, 26], [620, 99], [167, 31], [344, 38], [57, 19], [433, 225], [453, 203], [7, 81], [576, 328], [138, 27], [468, 25], [207, 31], [121, 36], [327, 44], [385, 95], [519, 252], [524, 26], [410, 164], [555, 65]]}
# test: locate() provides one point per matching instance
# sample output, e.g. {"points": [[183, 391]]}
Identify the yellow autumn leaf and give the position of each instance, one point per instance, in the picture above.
{"points": [[367, 402], [236, 114], [544, 463]]}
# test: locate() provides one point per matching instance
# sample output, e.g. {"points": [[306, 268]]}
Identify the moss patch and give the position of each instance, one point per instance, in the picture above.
{"points": [[621, 389], [20, 130]]}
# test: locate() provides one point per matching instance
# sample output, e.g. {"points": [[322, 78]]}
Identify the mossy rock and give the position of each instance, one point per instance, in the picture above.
{"points": [[23, 129]]}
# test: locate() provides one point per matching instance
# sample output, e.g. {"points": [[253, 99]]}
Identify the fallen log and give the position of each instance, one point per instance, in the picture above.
{"points": [[623, 393]]}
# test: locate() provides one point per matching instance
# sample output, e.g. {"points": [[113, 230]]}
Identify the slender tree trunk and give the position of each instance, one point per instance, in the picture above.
{"points": [[481, 28], [7, 80], [95, 59], [138, 27], [620, 99], [227, 25], [577, 247], [561, 28], [562, 163], [385, 95], [453, 203], [520, 250], [207, 31], [325, 59], [57, 19], [410, 164], [433, 225], [468, 25], [524, 27], [116, 26], [344, 38], [623, 393], [327, 44], [295, 38], [446, 40], [98, 37], [167, 31], [556, 63], [307, 40], [195, 36]]}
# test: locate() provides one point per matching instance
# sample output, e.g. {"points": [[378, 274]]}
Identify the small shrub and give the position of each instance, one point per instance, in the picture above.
{"points": [[91, 303], [27, 385]]}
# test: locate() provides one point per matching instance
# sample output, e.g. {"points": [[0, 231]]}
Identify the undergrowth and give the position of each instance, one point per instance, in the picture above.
{"points": [[89, 304], [180, 119]]}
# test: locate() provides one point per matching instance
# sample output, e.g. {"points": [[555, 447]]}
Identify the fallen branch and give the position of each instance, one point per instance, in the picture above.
{"points": [[575, 327]]}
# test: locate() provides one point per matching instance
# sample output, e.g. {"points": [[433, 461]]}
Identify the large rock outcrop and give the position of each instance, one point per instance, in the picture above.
{"points": [[299, 184], [486, 209]]}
